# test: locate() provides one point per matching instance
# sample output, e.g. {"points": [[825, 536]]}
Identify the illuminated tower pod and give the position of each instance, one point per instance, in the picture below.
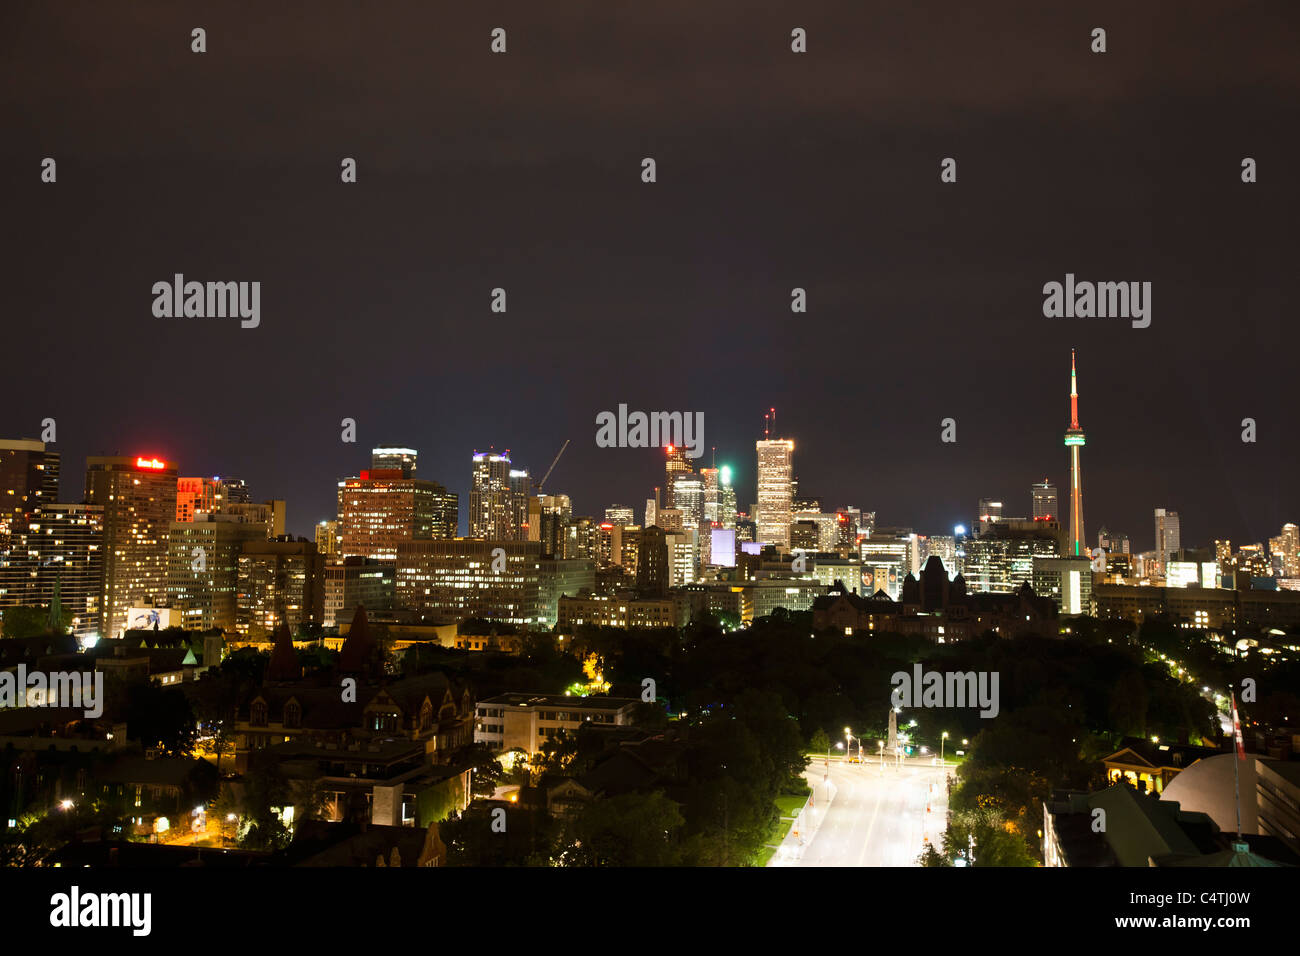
{"points": [[1074, 440]]}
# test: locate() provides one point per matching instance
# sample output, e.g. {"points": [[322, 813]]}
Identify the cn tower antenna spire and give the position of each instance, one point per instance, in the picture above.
{"points": [[1074, 441], [1074, 394]]}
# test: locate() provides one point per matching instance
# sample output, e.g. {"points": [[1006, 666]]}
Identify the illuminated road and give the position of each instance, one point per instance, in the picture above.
{"points": [[875, 817]]}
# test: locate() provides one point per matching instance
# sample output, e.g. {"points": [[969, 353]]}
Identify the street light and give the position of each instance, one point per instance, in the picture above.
{"points": [[942, 738]]}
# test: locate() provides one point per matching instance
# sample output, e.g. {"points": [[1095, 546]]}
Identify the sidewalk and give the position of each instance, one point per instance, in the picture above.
{"points": [[806, 822]]}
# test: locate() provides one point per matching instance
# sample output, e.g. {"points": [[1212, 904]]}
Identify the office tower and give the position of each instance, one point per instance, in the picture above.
{"points": [[357, 581], [726, 498], [455, 580], [561, 577], [943, 547], [990, 512], [652, 568], [138, 495], [674, 464], [380, 509], [521, 492], [1074, 441], [203, 568], [683, 557], [688, 498], [775, 496], [805, 535], [270, 513], [29, 477], [652, 509], [846, 527], [234, 491], [197, 495], [1286, 548], [327, 538], [619, 514], [1002, 558], [62, 548], [671, 519], [1168, 536], [394, 458], [584, 539], [1043, 494], [1113, 542], [492, 511], [1067, 581], [279, 582], [548, 524]]}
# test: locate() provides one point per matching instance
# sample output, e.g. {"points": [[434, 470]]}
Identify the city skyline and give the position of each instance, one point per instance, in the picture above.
{"points": [[596, 501]]}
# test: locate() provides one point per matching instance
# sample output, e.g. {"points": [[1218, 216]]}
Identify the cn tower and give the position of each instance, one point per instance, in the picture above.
{"points": [[1074, 441]]}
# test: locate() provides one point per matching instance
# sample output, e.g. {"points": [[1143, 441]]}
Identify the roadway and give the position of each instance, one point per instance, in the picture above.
{"points": [[866, 815]]}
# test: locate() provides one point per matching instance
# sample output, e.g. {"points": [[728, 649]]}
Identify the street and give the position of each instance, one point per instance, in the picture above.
{"points": [[863, 815]]}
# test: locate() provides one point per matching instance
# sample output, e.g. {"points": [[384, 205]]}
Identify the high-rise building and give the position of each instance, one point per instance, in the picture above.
{"points": [[29, 478], [357, 581], [1074, 440], [1112, 542], [270, 513], [775, 496], [138, 495], [380, 510], [652, 571], [455, 580], [1168, 536], [279, 582], [492, 512], [327, 539], [1286, 549], [234, 491], [675, 464], [197, 495], [619, 514], [521, 493], [394, 458], [203, 568], [990, 512], [60, 549], [1002, 558], [1045, 503]]}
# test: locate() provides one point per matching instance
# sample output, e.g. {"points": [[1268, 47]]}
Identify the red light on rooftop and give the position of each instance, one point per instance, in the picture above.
{"points": [[153, 464], [670, 449], [607, 527]]}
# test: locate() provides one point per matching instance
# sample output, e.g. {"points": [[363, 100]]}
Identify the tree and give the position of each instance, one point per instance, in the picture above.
{"points": [[634, 829], [820, 743], [28, 621]]}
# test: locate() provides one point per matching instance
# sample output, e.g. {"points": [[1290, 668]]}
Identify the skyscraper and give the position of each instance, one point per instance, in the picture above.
{"points": [[521, 493], [394, 458], [675, 464], [1286, 547], [380, 509], [138, 496], [1074, 440], [775, 496], [491, 504], [1045, 500], [1168, 536]]}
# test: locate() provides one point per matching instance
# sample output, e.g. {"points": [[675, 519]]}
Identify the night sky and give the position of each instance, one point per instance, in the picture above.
{"points": [[775, 170]]}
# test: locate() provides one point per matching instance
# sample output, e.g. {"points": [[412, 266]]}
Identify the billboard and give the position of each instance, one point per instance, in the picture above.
{"points": [[152, 618]]}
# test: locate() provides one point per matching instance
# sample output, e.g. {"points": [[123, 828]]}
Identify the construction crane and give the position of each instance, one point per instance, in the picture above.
{"points": [[554, 462]]}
